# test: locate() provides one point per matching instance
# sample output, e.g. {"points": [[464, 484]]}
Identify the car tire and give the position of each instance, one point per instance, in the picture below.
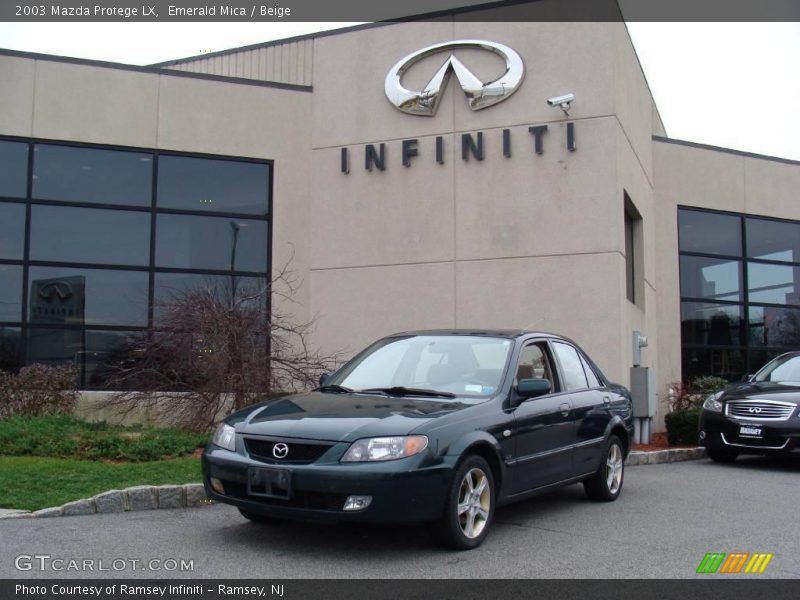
{"points": [[606, 484], [720, 454], [255, 517], [469, 509]]}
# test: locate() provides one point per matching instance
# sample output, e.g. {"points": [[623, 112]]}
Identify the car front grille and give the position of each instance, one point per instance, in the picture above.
{"points": [[300, 452], [760, 410]]}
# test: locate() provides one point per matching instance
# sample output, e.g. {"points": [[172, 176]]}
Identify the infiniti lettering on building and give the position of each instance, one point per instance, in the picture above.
{"points": [[425, 102]]}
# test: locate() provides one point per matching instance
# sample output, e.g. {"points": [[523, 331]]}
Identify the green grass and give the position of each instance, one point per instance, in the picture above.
{"points": [[31, 483], [63, 436]]}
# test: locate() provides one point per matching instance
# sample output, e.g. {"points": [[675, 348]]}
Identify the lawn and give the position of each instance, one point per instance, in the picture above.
{"points": [[49, 460], [34, 482]]}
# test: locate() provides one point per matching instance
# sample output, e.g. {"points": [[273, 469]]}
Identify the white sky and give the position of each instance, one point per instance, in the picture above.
{"points": [[735, 85]]}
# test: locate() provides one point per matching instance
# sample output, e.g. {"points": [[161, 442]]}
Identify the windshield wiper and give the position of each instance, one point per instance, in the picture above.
{"points": [[399, 390], [337, 389]]}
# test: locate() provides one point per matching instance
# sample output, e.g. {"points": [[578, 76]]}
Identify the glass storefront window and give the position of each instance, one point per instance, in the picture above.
{"points": [[709, 233], [170, 286], [12, 230], [728, 364], [217, 243], [61, 296], [773, 240], [212, 185], [9, 348], [711, 278], [771, 326], [76, 174], [13, 169], [90, 235], [773, 284], [10, 293], [711, 324]]}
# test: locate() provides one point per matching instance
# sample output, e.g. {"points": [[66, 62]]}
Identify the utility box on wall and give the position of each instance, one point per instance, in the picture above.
{"points": [[643, 391]]}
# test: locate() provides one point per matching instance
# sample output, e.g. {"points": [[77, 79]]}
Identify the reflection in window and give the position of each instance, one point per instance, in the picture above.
{"points": [[170, 286], [710, 324], [770, 326], [773, 284], [13, 169], [87, 296], [92, 175], [212, 185], [12, 230], [773, 240], [9, 348], [710, 233], [10, 293], [712, 278], [90, 235], [218, 243], [725, 363]]}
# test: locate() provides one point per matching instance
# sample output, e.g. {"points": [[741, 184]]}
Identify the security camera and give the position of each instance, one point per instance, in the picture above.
{"points": [[563, 102]]}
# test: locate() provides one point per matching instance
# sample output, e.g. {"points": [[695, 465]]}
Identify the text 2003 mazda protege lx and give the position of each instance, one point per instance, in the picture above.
{"points": [[439, 426]]}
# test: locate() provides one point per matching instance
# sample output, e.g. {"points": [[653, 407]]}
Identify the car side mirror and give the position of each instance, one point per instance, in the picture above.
{"points": [[533, 388], [323, 378], [748, 378]]}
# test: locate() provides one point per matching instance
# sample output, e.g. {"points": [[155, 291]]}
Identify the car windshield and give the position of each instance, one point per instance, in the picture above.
{"points": [[783, 368], [463, 365]]}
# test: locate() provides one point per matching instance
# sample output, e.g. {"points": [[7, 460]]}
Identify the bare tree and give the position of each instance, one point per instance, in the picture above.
{"points": [[216, 348]]}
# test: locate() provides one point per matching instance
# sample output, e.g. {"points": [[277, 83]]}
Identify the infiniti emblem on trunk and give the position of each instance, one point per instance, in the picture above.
{"points": [[280, 450]]}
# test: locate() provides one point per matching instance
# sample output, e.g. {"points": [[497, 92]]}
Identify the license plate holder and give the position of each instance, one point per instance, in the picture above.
{"points": [[751, 431], [267, 482]]}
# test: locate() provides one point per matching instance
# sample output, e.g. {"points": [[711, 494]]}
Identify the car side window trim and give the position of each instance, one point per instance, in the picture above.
{"points": [[547, 353]]}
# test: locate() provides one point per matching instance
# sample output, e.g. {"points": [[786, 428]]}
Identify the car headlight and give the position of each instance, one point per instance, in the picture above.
{"points": [[225, 437], [712, 404], [385, 448]]}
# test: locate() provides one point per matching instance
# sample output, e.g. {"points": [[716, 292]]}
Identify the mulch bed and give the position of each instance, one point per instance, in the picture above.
{"points": [[658, 441]]}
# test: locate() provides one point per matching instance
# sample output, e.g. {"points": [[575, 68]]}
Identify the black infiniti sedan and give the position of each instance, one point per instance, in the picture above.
{"points": [[759, 416], [436, 426]]}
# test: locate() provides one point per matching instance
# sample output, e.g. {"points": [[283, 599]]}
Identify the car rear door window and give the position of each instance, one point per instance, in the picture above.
{"points": [[571, 367]]}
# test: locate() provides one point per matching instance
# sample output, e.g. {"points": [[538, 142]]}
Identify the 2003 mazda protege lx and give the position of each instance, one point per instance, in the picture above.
{"points": [[439, 426]]}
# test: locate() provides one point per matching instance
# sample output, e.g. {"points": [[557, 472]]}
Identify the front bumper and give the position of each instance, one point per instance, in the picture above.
{"points": [[402, 490], [778, 437]]}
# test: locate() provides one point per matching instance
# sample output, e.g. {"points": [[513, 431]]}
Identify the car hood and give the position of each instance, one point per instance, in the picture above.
{"points": [[343, 417], [768, 390]]}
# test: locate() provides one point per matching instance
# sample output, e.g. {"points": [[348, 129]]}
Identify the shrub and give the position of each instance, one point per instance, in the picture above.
{"points": [[38, 390], [691, 395], [682, 426]]}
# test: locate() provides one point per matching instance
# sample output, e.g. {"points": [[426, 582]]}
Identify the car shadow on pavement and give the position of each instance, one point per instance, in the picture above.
{"points": [[786, 464], [385, 540]]}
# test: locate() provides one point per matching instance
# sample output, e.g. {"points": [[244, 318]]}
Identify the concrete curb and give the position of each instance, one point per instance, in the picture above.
{"points": [[191, 495], [657, 457], [140, 497]]}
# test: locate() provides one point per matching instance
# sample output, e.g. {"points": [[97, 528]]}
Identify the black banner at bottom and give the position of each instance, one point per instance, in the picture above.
{"points": [[712, 588]]}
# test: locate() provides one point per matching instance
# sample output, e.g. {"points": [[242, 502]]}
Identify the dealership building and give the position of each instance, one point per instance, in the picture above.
{"points": [[414, 175]]}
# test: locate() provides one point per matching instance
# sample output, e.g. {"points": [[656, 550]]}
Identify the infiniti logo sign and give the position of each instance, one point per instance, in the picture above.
{"points": [[479, 94], [754, 409], [280, 450]]}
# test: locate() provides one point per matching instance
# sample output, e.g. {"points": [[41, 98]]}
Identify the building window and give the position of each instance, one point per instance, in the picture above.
{"points": [[90, 235], [634, 274], [740, 291]]}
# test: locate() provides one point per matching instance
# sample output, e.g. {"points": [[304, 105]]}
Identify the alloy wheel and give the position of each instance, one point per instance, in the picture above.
{"points": [[614, 466], [474, 503]]}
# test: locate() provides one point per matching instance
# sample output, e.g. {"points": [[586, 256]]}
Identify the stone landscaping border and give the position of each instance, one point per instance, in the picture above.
{"points": [[140, 497], [190, 495]]}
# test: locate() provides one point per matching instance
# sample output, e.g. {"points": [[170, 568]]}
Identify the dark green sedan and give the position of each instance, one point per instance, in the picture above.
{"points": [[428, 426]]}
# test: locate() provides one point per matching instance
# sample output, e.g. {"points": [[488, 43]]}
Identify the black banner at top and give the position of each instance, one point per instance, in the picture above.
{"points": [[387, 10]]}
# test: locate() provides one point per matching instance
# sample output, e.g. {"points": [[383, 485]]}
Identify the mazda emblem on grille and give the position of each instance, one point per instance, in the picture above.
{"points": [[280, 450]]}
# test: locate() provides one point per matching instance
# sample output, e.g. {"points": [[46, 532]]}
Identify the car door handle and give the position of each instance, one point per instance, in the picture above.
{"points": [[564, 409]]}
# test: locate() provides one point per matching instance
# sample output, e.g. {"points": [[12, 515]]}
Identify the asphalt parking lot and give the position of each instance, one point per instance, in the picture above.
{"points": [[666, 519]]}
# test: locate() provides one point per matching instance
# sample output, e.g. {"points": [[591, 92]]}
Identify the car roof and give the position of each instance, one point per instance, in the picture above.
{"points": [[505, 333]]}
